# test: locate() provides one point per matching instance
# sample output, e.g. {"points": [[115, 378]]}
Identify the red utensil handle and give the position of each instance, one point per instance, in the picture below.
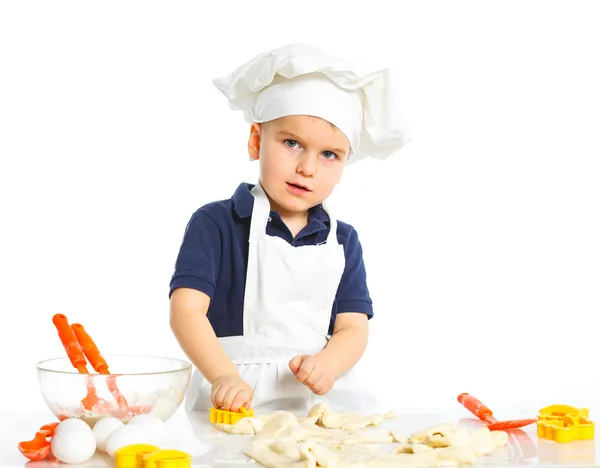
{"points": [[70, 343], [475, 406], [90, 349]]}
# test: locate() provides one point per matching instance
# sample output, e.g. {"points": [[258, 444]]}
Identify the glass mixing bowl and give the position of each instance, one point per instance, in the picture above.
{"points": [[136, 385]]}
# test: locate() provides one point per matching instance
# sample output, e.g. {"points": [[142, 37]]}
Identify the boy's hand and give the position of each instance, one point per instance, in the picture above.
{"points": [[230, 392], [313, 371]]}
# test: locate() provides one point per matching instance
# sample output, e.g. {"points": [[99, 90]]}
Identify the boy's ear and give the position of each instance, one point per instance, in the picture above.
{"points": [[254, 141]]}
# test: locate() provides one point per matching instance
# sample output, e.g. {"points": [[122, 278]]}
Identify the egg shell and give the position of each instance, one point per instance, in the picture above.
{"points": [[74, 444], [102, 429], [127, 435], [155, 425]]}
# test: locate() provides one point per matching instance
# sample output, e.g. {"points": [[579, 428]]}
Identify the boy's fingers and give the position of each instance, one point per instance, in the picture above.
{"points": [[295, 364], [305, 370], [229, 397], [313, 379], [240, 400]]}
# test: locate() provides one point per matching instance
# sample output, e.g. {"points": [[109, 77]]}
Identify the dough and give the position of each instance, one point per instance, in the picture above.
{"points": [[484, 441], [329, 439], [413, 448], [442, 435], [399, 437], [325, 417], [279, 423], [292, 449], [327, 457], [262, 452], [245, 426], [318, 410], [311, 420]]}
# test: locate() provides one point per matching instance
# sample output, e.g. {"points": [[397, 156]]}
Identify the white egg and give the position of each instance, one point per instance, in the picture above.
{"points": [[156, 427], [74, 443], [146, 419], [102, 429], [127, 435], [71, 424]]}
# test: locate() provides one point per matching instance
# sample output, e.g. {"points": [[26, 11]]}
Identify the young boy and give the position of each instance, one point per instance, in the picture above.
{"points": [[269, 298]]}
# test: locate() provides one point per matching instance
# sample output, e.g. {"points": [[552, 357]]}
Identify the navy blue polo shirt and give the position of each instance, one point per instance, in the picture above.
{"points": [[213, 258]]}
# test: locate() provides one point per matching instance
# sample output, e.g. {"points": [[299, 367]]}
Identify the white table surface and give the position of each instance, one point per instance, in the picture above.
{"points": [[212, 448]]}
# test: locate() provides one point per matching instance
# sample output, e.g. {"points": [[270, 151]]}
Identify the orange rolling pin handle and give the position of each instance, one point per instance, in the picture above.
{"points": [[476, 407], [70, 343], [90, 349]]}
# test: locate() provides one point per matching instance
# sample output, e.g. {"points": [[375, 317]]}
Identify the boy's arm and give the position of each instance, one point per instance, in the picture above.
{"points": [[196, 336], [348, 342]]}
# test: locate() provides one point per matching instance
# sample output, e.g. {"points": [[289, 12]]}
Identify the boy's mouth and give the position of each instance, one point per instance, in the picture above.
{"points": [[299, 187]]}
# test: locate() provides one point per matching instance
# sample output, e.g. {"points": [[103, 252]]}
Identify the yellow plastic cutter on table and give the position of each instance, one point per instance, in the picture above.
{"points": [[150, 456], [563, 423], [229, 417]]}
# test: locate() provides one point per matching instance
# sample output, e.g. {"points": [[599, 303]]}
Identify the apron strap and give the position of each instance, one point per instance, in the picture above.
{"points": [[260, 213]]}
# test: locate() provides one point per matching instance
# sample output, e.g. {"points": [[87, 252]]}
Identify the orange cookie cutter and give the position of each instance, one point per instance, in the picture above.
{"points": [[563, 423]]}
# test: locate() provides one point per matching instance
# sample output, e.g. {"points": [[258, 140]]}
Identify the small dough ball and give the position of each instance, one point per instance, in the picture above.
{"points": [[74, 444], [102, 429], [128, 435]]}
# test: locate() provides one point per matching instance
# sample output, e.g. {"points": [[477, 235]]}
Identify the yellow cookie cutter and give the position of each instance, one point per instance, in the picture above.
{"points": [[167, 459], [563, 423], [229, 417], [150, 456]]}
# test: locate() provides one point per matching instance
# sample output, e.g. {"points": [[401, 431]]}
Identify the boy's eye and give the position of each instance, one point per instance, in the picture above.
{"points": [[291, 143], [329, 154]]}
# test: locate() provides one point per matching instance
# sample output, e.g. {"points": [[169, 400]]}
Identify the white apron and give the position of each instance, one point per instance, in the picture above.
{"points": [[288, 300]]}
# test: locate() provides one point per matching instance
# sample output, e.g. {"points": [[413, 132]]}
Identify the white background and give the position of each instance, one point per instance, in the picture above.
{"points": [[480, 236]]}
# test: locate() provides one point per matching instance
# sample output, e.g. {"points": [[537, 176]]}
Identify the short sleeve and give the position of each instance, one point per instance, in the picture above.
{"points": [[198, 261], [353, 293]]}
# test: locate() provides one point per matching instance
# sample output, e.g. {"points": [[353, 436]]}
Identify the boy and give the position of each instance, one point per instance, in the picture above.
{"points": [[269, 297]]}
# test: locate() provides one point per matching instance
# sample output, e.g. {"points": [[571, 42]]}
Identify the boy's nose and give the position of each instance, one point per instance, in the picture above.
{"points": [[307, 165]]}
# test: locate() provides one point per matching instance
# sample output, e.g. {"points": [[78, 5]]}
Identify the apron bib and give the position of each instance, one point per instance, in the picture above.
{"points": [[288, 300]]}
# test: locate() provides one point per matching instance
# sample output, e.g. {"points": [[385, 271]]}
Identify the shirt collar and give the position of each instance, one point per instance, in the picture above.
{"points": [[243, 202]]}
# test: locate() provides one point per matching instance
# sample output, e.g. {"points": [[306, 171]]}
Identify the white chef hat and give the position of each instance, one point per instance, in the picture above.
{"points": [[301, 79]]}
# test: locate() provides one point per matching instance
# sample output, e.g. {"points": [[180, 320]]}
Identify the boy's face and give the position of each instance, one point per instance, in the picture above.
{"points": [[301, 161]]}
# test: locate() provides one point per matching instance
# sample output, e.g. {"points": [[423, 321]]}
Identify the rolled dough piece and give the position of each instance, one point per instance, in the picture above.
{"points": [[412, 448], [318, 410], [397, 437], [482, 441], [326, 456], [262, 453], [442, 435], [292, 449], [245, 426], [334, 420], [310, 420], [322, 414], [279, 423]]}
